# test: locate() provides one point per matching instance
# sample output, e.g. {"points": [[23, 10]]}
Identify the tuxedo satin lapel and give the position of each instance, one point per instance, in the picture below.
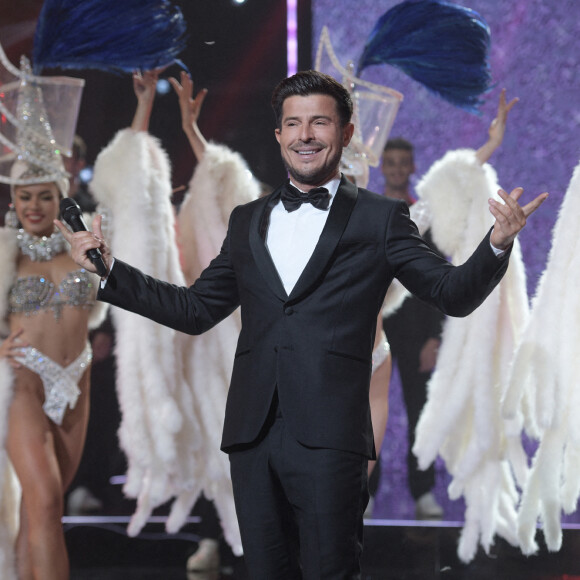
{"points": [[338, 217], [258, 228]]}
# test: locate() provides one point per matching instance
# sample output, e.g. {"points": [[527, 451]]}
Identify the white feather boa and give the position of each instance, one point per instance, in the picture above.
{"points": [[9, 488], [220, 182], [8, 257], [132, 180], [544, 384], [172, 387], [462, 419]]}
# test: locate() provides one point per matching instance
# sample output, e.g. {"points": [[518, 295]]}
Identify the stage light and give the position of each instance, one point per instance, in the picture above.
{"points": [[86, 174], [163, 86], [292, 36]]}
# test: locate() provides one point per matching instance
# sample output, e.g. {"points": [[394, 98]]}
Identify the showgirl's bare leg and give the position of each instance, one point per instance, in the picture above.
{"points": [[45, 457], [379, 398]]}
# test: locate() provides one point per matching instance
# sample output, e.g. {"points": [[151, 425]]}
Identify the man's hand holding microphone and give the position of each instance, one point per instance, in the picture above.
{"points": [[88, 249]]}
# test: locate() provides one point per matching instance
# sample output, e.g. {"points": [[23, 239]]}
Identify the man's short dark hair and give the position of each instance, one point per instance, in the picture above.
{"points": [[312, 82], [399, 143]]}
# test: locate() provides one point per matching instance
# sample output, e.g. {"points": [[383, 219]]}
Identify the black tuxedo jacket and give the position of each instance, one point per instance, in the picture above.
{"points": [[314, 345]]}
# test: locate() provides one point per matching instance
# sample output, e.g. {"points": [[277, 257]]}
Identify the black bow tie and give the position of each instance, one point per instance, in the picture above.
{"points": [[293, 198]]}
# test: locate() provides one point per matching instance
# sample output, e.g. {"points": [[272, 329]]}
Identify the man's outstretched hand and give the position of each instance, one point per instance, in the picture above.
{"points": [[510, 216], [82, 242]]}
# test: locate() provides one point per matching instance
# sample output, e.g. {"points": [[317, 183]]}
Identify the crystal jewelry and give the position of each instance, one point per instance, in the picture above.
{"points": [[11, 219], [40, 249]]}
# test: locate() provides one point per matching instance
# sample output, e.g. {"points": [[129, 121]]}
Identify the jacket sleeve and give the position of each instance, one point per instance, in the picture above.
{"points": [[193, 310], [455, 290]]}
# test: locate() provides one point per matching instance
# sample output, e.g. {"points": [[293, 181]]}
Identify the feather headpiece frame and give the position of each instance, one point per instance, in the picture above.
{"points": [[374, 110], [38, 118]]}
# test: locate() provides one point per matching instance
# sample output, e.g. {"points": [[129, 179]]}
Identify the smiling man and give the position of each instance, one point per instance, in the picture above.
{"points": [[312, 134], [309, 265]]}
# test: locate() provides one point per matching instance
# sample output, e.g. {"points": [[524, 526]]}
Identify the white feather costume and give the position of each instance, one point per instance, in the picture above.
{"points": [[221, 181], [461, 420], [132, 180], [9, 486], [171, 387], [544, 384]]}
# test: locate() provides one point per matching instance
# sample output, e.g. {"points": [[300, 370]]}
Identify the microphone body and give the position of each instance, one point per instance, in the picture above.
{"points": [[71, 213]]}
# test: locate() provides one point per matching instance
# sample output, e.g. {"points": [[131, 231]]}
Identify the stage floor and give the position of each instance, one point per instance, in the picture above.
{"points": [[394, 550]]}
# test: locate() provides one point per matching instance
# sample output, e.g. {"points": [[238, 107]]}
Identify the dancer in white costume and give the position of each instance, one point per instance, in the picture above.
{"points": [[46, 309], [172, 387], [221, 181], [544, 385], [462, 421]]}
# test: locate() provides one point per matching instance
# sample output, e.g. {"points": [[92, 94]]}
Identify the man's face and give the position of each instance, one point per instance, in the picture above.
{"points": [[397, 167], [311, 139]]}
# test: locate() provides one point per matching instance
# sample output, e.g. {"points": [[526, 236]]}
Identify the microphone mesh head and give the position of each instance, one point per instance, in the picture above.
{"points": [[69, 207]]}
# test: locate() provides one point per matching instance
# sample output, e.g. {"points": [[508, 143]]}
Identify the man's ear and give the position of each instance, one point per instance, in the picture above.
{"points": [[347, 133], [277, 133]]}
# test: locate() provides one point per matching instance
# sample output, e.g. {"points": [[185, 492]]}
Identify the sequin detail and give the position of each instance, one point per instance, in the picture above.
{"points": [[41, 249], [31, 294], [60, 383], [381, 352]]}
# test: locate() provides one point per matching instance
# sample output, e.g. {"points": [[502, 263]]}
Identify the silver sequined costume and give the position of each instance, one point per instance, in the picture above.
{"points": [[9, 487], [32, 294], [60, 383]]}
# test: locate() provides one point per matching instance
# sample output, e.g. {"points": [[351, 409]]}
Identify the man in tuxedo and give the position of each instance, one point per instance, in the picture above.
{"points": [[309, 269]]}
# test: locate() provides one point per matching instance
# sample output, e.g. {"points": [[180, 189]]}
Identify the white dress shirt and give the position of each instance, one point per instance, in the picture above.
{"points": [[292, 236]]}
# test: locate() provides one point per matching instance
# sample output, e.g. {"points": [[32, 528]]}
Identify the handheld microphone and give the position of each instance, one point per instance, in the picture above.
{"points": [[71, 213]]}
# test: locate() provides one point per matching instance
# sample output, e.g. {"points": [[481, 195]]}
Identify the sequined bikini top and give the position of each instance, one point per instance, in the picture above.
{"points": [[32, 294]]}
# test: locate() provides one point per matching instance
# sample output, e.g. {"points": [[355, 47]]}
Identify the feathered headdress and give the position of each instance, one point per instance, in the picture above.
{"points": [[110, 35], [374, 110], [38, 114], [37, 123], [441, 45]]}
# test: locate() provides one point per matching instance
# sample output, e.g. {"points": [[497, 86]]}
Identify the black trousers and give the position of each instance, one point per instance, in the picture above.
{"points": [[407, 331], [300, 509]]}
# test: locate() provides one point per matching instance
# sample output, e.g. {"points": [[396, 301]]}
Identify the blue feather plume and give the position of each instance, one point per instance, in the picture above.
{"points": [[441, 45], [109, 35]]}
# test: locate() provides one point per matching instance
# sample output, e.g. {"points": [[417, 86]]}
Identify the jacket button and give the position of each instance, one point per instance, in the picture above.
{"points": [[288, 310]]}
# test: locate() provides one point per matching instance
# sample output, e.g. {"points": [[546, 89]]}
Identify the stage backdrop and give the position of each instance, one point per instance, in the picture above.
{"points": [[534, 55]]}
